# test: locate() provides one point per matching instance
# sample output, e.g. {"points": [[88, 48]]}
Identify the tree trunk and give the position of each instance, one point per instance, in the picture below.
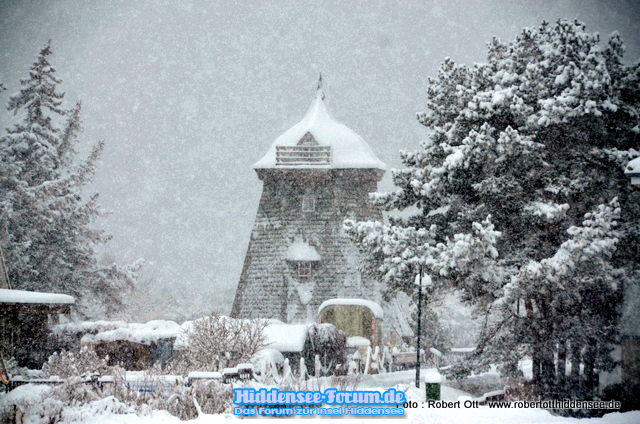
{"points": [[536, 354], [561, 375], [547, 370], [590, 375], [547, 346], [574, 375], [535, 364]]}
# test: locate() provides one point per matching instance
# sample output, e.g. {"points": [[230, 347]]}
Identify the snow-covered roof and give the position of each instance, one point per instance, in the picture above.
{"points": [[356, 341], [88, 327], [348, 149], [286, 337], [22, 296], [633, 167], [373, 306], [245, 366], [302, 251], [143, 377], [195, 375], [633, 171], [463, 349], [136, 333]]}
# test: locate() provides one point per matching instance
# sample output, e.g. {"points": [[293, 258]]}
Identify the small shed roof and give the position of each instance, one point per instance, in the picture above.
{"points": [[286, 337], [348, 149], [22, 301], [146, 334], [8, 296]]}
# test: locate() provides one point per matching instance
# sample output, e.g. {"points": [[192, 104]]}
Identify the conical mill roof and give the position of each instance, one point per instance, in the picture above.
{"points": [[347, 149]]}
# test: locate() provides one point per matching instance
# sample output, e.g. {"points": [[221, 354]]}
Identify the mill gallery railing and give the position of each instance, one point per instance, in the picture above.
{"points": [[303, 155]]}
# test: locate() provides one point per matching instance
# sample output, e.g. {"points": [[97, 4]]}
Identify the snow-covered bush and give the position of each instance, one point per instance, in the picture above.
{"points": [[101, 407], [477, 385], [75, 399], [267, 363], [178, 399], [213, 396], [15, 370], [75, 364], [345, 382], [520, 389], [216, 342], [70, 402], [75, 391], [300, 385], [30, 404], [330, 344]]}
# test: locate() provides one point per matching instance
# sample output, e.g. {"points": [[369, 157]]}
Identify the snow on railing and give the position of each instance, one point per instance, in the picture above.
{"points": [[367, 361]]}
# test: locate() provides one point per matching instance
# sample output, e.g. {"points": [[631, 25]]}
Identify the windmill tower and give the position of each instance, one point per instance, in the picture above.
{"points": [[315, 175]]}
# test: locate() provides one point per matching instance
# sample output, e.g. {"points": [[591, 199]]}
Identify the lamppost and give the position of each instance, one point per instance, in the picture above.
{"points": [[419, 324], [630, 340], [422, 281]]}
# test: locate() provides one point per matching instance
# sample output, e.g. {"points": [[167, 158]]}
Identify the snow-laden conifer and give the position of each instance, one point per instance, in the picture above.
{"points": [[537, 137], [45, 221]]}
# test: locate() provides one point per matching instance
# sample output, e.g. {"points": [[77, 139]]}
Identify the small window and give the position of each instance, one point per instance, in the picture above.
{"points": [[305, 270], [308, 204]]}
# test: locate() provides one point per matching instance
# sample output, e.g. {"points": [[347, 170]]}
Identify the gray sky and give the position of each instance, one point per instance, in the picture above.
{"points": [[189, 94]]}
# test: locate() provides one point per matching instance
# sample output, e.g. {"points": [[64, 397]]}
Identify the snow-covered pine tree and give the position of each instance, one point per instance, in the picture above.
{"points": [[537, 137], [571, 303], [45, 227]]}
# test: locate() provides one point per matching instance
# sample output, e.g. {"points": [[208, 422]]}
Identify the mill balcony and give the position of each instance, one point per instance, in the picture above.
{"points": [[303, 155]]}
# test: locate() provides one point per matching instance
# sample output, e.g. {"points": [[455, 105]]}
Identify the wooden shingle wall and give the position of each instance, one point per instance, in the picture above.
{"points": [[268, 286]]}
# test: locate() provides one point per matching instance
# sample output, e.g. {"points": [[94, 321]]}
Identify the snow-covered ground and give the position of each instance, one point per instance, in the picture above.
{"points": [[471, 416], [111, 411], [88, 415]]}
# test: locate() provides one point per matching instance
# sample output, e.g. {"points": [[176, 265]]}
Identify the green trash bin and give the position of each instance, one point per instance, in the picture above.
{"points": [[432, 383]]}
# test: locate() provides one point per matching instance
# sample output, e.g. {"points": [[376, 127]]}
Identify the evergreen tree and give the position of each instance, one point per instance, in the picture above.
{"points": [[537, 137], [45, 227]]}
